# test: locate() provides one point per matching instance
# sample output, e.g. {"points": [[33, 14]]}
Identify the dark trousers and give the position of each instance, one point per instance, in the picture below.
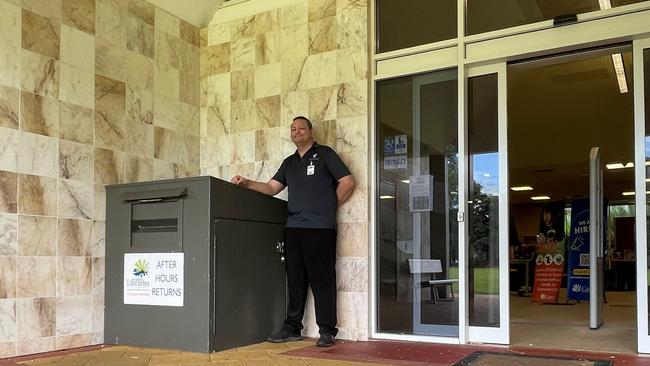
{"points": [[310, 261]]}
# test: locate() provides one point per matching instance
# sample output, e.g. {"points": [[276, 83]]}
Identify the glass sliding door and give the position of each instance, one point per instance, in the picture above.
{"points": [[487, 205], [641, 61], [417, 204]]}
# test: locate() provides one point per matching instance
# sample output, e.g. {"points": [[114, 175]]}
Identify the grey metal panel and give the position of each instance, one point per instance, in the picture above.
{"points": [[154, 194], [187, 327], [250, 279], [193, 326]]}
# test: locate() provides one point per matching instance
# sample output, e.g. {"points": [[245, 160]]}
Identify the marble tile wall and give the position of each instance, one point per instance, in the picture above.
{"points": [[92, 92], [260, 70]]}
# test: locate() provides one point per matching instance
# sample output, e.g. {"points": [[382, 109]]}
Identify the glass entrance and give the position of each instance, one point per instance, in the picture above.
{"points": [[417, 254]]}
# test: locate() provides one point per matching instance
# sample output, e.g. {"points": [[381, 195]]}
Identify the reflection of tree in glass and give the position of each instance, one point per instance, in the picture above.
{"points": [[483, 227], [452, 196]]}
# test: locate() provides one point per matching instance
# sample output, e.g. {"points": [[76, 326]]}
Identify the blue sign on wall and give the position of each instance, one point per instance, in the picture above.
{"points": [[578, 266]]}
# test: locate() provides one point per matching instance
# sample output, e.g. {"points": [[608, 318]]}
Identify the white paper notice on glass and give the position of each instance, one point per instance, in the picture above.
{"points": [[395, 162], [421, 193], [154, 279]]}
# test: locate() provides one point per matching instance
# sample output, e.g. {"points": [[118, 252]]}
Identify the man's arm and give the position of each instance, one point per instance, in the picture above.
{"points": [[345, 188], [272, 187]]}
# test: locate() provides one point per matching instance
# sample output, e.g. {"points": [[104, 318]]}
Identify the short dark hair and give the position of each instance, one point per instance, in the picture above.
{"points": [[304, 119]]}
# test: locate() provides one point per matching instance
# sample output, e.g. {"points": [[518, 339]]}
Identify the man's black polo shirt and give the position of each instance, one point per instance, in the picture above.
{"points": [[312, 182]]}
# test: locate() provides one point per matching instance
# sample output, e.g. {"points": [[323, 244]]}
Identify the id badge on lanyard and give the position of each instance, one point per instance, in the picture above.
{"points": [[310, 168]]}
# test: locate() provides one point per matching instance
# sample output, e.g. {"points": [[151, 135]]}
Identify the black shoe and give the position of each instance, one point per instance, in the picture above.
{"points": [[325, 340], [284, 336]]}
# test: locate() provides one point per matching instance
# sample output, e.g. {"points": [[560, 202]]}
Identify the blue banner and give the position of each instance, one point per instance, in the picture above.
{"points": [[578, 266]]}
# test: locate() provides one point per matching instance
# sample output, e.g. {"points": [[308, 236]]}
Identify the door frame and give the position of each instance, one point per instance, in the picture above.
{"points": [[501, 334], [643, 338]]}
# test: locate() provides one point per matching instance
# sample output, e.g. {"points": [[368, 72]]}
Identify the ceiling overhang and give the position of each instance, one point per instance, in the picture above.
{"points": [[196, 12]]}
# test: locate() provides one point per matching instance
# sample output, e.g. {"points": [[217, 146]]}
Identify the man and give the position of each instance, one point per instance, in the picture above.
{"points": [[319, 182]]}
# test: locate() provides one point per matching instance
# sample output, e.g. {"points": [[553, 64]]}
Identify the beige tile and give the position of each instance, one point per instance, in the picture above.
{"points": [[242, 28], [8, 192], [39, 114], [75, 237], [139, 71], [40, 34], [98, 239], [110, 60], [218, 33], [242, 84], [73, 315], [37, 317], [215, 59], [268, 80], [74, 276], [40, 74], [352, 64], [352, 134], [325, 132], [79, 14], [294, 14], [267, 21], [7, 349], [242, 54], [10, 18], [77, 48], [9, 141], [321, 9], [100, 202], [140, 139], [176, 115], [76, 123], [243, 147], [139, 37], [36, 195], [8, 234], [294, 42], [167, 22], [217, 120], [37, 236], [189, 33], [268, 112], [176, 147], [7, 291], [10, 64], [76, 86], [218, 92], [38, 155], [98, 275], [109, 166], [75, 341], [142, 11], [243, 116], [75, 161], [352, 27], [109, 25], [273, 144], [292, 74], [110, 113], [294, 104], [32, 346], [189, 88], [322, 35], [163, 169], [353, 99], [167, 81], [216, 151], [9, 107], [98, 313], [36, 277], [75, 199], [168, 49], [323, 103], [267, 48], [139, 105], [352, 274], [319, 70], [138, 169], [47, 9]]}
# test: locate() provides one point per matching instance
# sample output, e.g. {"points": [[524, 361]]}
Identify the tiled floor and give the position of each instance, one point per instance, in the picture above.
{"points": [[304, 353]]}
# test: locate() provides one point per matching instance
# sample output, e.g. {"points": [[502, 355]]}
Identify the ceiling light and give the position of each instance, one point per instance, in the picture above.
{"points": [[620, 166], [631, 193], [386, 197], [405, 181], [522, 188], [540, 198], [620, 72]]}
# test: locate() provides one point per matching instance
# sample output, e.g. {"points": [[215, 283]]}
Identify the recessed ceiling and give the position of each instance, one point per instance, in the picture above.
{"points": [[199, 13]]}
